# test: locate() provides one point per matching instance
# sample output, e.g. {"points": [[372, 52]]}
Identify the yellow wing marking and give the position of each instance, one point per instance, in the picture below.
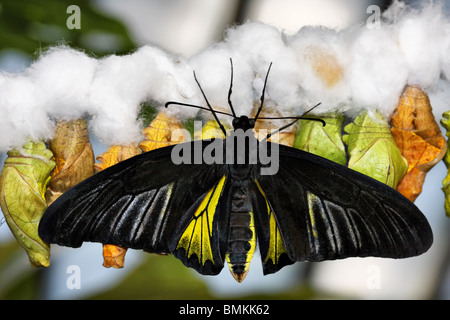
{"points": [[196, 238], [276, 246], [312, 205]]}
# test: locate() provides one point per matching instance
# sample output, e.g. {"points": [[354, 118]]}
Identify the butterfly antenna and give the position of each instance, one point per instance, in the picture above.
{"points": [[293, 122], [263, 92], [209, 106], [194, 106], [308, 111], [230, 90]]}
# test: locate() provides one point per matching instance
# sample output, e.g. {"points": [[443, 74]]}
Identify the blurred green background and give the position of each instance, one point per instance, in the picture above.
{"points": [[27, 26], [119, 27]]}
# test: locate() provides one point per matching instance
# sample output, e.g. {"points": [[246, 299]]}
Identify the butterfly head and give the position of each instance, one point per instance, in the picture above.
{"points": [[244, 123]]}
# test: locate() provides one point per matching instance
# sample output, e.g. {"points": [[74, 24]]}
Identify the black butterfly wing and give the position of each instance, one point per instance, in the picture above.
{"points": [[325, 211], [273, 251], [146, 202]]}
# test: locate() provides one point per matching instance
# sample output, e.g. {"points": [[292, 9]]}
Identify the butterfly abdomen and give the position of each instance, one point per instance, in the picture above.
{"points": [[242, 237]]}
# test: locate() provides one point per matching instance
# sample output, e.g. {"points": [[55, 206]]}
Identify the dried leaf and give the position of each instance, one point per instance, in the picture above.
{"points": [[372, 149], [163, 131], [23, 182], [419, 138], [73, 155], [114, 155], [324, 141], [114, 256]]}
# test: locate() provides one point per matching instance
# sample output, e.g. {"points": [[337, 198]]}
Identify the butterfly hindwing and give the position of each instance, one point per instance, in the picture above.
{"points": [[325, 211], [197, 241], [273, 251]]}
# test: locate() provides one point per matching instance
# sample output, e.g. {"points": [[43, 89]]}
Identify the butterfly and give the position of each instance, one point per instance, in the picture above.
{"points": [[208, 202]]}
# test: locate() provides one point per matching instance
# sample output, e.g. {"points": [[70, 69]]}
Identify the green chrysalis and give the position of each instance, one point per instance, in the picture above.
{"points": [[372, 149], [446, 182], [23, 182], [324, 141]]}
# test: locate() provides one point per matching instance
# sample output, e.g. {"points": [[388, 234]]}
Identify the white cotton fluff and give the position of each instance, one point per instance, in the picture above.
{"points": [[420, 34], [259, 43], [65, 77], [263, 44], [378, 71], [22, 113], [173, 81], [119, 87], [444, 51], [213, 71], [110, 90], [311, 42], [122, 83]]}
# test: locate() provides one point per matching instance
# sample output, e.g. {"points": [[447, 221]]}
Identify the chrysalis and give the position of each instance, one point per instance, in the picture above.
{"points": [[372, 149], [208, 131], [446, 182], [419, 138], [73, 155], [115, 154], [23, 182], [324, 141], [163, 131]]}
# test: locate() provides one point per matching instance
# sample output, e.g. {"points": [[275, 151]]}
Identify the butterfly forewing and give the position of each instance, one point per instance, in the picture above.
{"points": [[137, 203]]}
